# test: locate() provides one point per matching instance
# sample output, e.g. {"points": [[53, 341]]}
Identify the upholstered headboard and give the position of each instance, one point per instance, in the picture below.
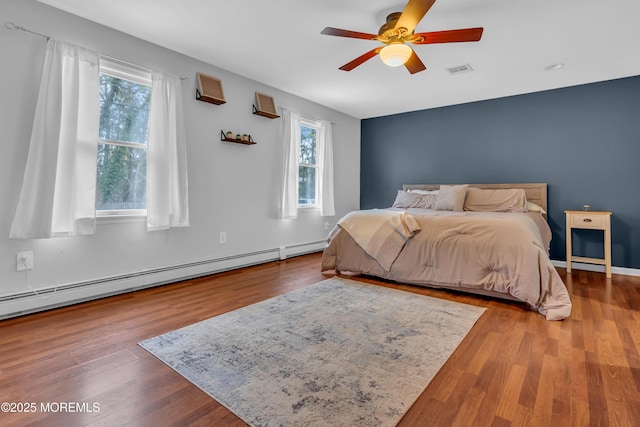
{"points": [[536, 192]]}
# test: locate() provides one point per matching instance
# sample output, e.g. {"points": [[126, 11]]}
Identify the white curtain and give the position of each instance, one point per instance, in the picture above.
{"points": [[58, 190], [325, 163], [167, 184], [291, 135]]}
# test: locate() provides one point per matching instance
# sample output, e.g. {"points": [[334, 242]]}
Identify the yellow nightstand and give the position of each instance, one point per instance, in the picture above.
{"points": [[593, 220]]}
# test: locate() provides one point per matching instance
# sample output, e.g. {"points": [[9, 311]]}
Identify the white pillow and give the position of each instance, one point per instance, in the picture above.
{"points": [[430, 200], [405, 200], [451, 197], [532, 207], [412, 199]]}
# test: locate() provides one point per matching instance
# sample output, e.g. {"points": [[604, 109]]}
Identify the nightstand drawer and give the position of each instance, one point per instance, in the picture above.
{"points": [[586, 220]]}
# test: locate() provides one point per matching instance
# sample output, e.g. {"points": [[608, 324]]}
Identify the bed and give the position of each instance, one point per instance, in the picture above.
{"points": [[495, 243]]}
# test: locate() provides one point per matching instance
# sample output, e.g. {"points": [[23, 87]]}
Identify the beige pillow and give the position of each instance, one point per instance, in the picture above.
{"points": [[496, 200], [451, 197]]}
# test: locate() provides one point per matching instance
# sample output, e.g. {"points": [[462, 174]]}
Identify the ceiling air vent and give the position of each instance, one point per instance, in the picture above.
{"points": [[460, 69]]}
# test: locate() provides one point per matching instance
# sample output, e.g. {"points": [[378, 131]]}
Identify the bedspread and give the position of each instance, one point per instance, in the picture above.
{"points": [[381, 233], [505, 253]]}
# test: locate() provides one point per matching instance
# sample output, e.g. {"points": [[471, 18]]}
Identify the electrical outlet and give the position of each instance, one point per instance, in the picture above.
{"points": [[24, 261], [223, 237], [327, 225]]}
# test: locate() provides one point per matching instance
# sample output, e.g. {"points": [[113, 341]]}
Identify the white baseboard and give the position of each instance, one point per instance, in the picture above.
{"points": [[26, 302], [598, 268]]}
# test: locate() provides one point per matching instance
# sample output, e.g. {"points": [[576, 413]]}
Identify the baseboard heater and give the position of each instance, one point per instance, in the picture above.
{"points": [[27, 302]]}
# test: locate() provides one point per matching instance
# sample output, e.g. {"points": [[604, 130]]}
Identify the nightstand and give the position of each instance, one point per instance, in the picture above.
{"points": [[593, 220]]}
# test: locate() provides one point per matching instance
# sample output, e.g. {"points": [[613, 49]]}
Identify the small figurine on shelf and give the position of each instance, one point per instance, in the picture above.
{"points": [[229, 135], [245, 137], [238, 137]]}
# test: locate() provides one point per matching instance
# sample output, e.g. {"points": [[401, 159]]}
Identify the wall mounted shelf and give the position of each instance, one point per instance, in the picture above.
{"points": [[249, 141], [266, 106], [210, 100], [209, 89], [264, 113]]}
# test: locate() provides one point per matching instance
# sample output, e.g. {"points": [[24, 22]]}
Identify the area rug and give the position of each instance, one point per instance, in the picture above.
{"points": [[337, 353]]}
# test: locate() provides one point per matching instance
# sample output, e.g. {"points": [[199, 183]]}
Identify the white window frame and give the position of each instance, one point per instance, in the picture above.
{"points": [[137, 74], [314, 125]]}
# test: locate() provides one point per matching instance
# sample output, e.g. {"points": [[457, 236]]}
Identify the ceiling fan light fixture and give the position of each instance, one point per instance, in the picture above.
{"points": [[395, 54]]}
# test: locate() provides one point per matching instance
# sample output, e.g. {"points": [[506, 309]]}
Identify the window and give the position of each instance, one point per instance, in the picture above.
{"points": [[125, 96], [111, 102], [308, 166]]}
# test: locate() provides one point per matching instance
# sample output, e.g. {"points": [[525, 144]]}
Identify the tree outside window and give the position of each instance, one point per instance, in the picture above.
{"points": [[307, 166], [122, 149]]}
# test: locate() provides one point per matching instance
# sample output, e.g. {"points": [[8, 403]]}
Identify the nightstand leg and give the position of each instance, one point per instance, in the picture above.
{"points": [[607, 251], [568, 239]]}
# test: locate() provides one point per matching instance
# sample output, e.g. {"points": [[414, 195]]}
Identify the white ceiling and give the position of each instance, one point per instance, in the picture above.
{"points": [[278, 42]]}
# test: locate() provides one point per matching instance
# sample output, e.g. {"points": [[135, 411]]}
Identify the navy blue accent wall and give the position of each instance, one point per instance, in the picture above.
{"points": [[583, 141]]}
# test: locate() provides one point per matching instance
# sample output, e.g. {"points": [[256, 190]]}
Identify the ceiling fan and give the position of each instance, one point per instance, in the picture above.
{"points": [[399, 30]]}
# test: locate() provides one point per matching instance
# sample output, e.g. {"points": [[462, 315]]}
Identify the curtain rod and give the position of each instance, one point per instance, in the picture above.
{"points": [[305, 115], [12, 26]]}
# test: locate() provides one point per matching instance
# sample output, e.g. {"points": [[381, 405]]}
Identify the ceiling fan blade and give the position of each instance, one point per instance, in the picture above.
{"points": [[414, 64], [361, 59], [450, 36], [413, 12], [330, 31]]}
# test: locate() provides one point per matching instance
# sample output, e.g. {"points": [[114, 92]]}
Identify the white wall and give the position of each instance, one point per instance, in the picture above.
{"points": [[232, 187]]}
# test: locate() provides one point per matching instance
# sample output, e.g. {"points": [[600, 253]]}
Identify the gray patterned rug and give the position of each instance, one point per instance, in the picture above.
{"points": [[337, 353]]}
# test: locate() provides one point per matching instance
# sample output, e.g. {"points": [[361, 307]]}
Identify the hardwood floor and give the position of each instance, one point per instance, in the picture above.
{"points": [[513, 369]]}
